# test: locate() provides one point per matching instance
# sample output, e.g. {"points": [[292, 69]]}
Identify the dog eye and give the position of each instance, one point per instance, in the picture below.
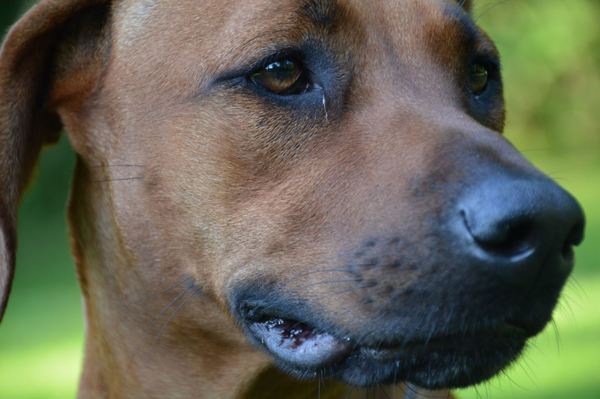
{"points": [[478, 78], [283, 77]]}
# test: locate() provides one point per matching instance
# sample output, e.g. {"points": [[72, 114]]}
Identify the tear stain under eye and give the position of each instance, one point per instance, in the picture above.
{"points": [[325, 108], [324, 102]]}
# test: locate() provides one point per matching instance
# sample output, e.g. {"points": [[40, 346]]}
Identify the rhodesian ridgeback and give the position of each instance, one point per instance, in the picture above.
{"points": [[284, 199]]}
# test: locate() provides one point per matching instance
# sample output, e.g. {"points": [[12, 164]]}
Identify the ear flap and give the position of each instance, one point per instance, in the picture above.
{"points": [[52, 56]]}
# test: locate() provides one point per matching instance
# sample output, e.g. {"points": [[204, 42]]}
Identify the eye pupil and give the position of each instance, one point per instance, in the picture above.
{"points": [[283, 77], [479, 78], [281, 69]]}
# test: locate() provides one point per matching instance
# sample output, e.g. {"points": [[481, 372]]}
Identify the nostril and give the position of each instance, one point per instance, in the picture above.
{"points": [[524, 228], [506, 239], [514, 240], [574, 238]]}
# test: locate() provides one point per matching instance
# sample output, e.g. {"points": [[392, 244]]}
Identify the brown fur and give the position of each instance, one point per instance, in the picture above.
{"points": [[184, 189]]}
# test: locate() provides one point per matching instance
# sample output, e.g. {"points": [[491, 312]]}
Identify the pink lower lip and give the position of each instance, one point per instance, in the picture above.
{"points": [[299, 344]]}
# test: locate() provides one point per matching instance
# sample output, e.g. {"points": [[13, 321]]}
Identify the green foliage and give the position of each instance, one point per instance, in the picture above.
{"points": [[551, 57]]}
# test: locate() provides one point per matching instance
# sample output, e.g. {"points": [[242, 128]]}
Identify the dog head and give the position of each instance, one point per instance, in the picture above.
{"points": [[327, 177]]}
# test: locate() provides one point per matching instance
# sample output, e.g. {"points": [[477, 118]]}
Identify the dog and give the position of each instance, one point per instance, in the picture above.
{"points": [[284, 199]]}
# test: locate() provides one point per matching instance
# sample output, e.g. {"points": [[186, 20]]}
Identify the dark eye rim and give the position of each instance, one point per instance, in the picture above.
{"points": [[492, 66], [318, 68]]}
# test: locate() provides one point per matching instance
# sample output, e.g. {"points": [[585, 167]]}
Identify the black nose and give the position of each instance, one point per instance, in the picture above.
{"points": [[518, 225]]}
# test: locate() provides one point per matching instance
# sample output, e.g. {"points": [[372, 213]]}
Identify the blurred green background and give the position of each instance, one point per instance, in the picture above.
{"points": [[551, 57]]}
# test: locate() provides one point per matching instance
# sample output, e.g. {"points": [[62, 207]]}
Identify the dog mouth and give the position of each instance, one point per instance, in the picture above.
{"points": [[298, 343], [439, 361]]}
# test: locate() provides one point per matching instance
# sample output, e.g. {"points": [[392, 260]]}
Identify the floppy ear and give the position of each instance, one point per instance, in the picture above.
{"points": [[51, 58]]}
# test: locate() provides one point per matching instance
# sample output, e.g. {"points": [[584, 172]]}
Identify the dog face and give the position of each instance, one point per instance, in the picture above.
{"points": [[328, 178]]}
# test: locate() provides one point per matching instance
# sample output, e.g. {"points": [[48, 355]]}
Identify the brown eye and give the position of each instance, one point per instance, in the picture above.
{"points": [[478, 79], [283, 77]]}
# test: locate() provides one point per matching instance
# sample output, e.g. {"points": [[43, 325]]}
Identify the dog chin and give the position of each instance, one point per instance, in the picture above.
{"points": [[451, 363], [440, 363]]}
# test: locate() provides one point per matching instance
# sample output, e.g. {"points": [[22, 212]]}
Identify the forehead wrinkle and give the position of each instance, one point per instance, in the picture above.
{"points": [[310, 16], [309, 19], [320, 12], [258, 47], [328, 15]]}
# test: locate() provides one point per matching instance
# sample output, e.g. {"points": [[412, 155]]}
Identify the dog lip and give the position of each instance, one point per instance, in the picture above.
{"points": [[392, 351], [305, 347], [299, 344]]}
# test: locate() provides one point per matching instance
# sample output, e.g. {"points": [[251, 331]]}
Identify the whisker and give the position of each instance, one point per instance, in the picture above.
{"points": [[489, 8], [120, 179], [327, 282], [396, 366], [512, 381], [528, 370], [185, 280], [477, 393], [344, 291], [311, 272], [383, 391], [189, 287], [411, 392], [171, 303], [172, 316], [116, 165], [319, 378], [556, 335]]}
